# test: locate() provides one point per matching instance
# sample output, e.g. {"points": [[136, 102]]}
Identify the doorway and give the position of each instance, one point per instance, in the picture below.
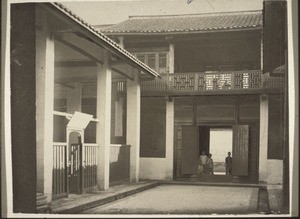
{"points": [[217, 140], [220, 143], [75, 163]]}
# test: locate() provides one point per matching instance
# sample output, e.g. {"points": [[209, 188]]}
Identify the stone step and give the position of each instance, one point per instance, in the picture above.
{"points": [[42, 204]]}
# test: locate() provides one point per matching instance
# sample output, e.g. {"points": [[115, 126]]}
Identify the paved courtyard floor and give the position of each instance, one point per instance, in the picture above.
{"points": [[185, 199]]}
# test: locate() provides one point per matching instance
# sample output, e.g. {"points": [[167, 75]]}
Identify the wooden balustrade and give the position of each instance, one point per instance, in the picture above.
{"points": [[90, 152], [61, 168], [59, 179], [119, 163], [200, 81]]}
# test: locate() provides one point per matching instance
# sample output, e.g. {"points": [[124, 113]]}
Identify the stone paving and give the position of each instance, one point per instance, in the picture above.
{"points": [[185, 199], [77, 203]]}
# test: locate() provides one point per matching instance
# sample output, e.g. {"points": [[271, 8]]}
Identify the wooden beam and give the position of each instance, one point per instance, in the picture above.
{"points": [[211, 92], [90, 50], [81, 45], [65, 85], [122, 73], [93, 36], [125, 70], [75, 63]]}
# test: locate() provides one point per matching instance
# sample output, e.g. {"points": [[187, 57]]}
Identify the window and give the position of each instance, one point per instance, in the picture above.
{"points": [[155, 60]]}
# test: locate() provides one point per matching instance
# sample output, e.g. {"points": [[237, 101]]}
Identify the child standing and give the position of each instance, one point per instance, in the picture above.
{"points": [[210, 164]]}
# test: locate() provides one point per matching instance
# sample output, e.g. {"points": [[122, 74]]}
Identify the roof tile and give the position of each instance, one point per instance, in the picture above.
{"points": [[188, 23]]}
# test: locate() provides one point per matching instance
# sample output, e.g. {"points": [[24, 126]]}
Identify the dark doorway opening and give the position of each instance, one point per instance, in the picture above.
{"points": [[75, 163], [218, 141]]}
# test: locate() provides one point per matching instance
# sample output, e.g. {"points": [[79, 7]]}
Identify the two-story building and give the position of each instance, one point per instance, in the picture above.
{"points": [[212, 82]]}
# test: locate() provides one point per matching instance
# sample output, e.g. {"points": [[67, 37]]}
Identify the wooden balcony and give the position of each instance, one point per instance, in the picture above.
{"points": [[229, 82]]}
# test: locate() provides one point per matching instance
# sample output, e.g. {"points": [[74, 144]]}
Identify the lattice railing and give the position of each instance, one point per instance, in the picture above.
{"points": [[199, 81]]}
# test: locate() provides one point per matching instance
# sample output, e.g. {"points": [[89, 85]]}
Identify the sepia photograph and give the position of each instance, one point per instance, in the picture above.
{"points": [[149, 108]]}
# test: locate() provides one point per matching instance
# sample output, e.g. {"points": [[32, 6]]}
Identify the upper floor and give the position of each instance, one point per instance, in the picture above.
{"points": [[199, 54]]}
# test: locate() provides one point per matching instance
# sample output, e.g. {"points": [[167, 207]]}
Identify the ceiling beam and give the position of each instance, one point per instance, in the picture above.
{"points": [[75, 63], [81, 45], [126, 71]]}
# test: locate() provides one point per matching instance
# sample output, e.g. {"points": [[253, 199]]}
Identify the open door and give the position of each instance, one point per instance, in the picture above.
{"points": [[189, 149], [204, 136], [75, 163], [240, 150]]}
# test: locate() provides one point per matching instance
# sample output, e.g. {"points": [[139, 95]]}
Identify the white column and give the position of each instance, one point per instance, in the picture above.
{"points": [[44, 111], [74, 98], [170, 123], [169, 139], [171, 58], [6, 146], [261, 54], [133, 125], [103, 126], [263, 138], [293, 104]]}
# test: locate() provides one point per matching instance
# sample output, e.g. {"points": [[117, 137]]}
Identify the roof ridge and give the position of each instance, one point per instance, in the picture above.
{"points": [[195, 14]]}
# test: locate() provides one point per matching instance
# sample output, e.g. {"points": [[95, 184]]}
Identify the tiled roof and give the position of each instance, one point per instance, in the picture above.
{"points": [[112, 44], [188, 23]]}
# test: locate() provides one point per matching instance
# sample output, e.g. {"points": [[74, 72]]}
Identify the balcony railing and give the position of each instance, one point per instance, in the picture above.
{"points": [[200, 81]]}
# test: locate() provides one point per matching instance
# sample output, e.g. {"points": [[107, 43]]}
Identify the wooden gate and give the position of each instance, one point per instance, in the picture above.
{"points": [[189, 149], [240, 150], [75, 168]]}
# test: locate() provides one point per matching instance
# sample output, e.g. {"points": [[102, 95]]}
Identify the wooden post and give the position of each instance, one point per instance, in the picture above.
{"points": [[169, 139], [121, 41], [103, 126], [170, 123], [171, 58], [263, 138], [133, 125]]}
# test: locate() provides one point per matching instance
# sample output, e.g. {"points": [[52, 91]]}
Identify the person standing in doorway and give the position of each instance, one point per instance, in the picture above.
{"points": [[210, 164], [228, 162], [202, 163]]}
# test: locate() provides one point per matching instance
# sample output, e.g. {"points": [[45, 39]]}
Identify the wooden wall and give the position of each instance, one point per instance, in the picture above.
{"points": [[275, 137], [196, 55], [23, 113]]}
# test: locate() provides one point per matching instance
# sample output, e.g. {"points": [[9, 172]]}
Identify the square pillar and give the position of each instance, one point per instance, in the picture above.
{"points": [[171, 58], [170, 121], [169, 139], [104, 75], [263, 138], [133, 125], [44, 108]]}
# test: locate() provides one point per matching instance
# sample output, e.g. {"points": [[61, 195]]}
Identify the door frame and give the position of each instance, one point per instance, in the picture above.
{"points": [[68, 132], [228, 125], [217, 125]]}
